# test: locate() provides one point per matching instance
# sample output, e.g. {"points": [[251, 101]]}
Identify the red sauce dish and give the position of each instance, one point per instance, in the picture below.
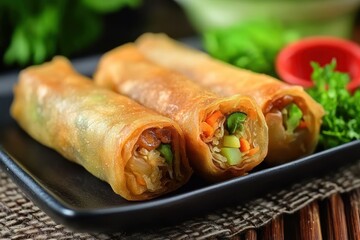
{"points": [[293, 62]]}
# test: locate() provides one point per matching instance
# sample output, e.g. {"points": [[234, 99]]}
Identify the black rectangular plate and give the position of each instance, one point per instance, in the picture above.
{"points": [[75, 198]]}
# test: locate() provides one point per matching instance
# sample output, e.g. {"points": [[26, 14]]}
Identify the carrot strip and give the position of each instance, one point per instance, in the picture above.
{"points": [[207, 130], [214, 118], [244, 145], [253, 151]]}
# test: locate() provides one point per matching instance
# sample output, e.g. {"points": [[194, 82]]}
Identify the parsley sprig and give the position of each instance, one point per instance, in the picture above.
{"points": [[341, 123]]}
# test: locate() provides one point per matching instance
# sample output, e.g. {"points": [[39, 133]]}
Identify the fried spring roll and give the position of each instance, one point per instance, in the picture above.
{"points": [[292, 116], [225, 137], [140, 153]]}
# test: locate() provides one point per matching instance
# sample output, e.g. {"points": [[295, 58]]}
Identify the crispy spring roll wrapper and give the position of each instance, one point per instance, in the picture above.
{"points": [[128, 72], [100, 130], [273, 96]]}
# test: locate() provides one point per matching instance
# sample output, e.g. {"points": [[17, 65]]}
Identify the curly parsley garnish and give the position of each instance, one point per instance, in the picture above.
{"points": [[341, 123]]}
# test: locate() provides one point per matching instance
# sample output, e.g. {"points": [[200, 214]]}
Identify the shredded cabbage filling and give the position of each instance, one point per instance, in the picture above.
{"points": [[149, 169]]}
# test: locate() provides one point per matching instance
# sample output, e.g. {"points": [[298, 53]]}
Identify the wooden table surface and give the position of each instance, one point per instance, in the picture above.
{"points": [[335, 218]]}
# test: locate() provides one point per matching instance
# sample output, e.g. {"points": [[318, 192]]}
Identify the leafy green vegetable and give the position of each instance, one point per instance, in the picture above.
{"points": [[36, 30], [341, 123], [294, 116], [166, 152], [235, 121], [110, 5], [251, 45]]}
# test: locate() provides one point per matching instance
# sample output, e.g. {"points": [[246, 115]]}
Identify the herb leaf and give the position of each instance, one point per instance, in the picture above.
{"points": [[341, 123], [251, 45]]}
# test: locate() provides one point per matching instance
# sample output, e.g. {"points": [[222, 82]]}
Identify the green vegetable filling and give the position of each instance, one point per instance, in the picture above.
{"points": [[233, 155], [231, 143], [235, 122], [166, 152], [293, 116]]}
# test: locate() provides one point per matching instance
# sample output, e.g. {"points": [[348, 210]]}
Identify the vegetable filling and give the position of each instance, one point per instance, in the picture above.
{"points": [[229, 138], [151, 166], [291, 114], [293, 118]]}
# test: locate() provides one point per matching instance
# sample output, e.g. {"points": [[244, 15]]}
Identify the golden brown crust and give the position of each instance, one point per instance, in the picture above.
{"points": [[171, 94], [228, 80], [93, 127]]}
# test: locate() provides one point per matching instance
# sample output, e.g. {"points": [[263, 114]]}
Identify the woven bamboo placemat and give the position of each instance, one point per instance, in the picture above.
{"points": [[21, 219]]}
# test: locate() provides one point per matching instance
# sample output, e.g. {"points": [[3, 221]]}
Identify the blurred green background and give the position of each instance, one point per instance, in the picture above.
{"points": [[33, 31], [246, 33]]}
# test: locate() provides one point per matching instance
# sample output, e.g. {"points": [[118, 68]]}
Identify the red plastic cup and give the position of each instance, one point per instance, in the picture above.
{"points": [[293, 61]]}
